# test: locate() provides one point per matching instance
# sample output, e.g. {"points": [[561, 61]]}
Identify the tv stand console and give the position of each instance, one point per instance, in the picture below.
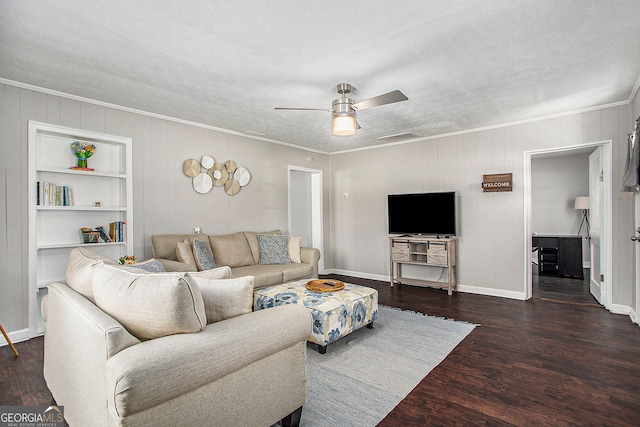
{"points": [[426, 251]]}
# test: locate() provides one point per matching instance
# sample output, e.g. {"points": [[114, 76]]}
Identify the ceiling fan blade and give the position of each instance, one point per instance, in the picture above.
{"points": [[386, 98], [301, 109]]}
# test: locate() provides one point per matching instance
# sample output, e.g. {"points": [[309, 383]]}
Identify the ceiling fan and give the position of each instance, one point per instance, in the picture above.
{"points": [[343, 109]]}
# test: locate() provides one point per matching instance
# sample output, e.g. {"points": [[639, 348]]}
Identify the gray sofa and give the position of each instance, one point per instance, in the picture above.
{"points": [[249, 370], [241, 252]]}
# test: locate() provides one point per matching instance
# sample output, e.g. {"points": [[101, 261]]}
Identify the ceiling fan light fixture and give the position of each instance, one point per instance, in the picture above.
{"points": [[343, 124]]}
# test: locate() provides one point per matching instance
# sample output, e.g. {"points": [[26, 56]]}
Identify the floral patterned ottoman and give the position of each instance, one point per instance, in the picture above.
{"points": [[335, 314]]}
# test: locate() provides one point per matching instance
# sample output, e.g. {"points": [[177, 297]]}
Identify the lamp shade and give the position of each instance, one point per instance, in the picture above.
{"points": [[581, 202], [343, 124]]}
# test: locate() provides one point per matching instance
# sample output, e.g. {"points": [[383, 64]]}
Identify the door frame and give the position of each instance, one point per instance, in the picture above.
{"points": [[636, 223], [607, 213], [317, 222]]}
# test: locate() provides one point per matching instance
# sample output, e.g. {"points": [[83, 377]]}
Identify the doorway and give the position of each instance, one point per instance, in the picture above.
{"points": [[305, 208], [576, 286]]}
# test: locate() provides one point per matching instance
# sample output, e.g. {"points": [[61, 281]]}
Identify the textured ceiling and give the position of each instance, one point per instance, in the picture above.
{"points": [[463, 64]]}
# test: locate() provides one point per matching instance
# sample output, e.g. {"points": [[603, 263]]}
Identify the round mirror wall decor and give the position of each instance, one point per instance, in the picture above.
{"points": [[231, 166], [219, 174], [242, 175], [232, 187], [191, 168], [226, 174], [207, 162], [202, 183]]}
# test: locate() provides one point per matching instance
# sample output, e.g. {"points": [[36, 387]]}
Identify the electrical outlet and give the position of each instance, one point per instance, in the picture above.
{"points": [[196, 230]]}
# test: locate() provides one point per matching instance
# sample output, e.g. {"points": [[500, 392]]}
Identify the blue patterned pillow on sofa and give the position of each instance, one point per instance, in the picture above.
{"points": [[274, 249], [203, 256]]}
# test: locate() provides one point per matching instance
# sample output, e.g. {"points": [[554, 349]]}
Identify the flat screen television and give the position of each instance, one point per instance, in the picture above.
{"points": [[429, 214]]}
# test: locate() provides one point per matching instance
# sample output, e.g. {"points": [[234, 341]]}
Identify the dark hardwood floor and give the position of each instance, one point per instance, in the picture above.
{"points": [[562, 289], [529, 363]]}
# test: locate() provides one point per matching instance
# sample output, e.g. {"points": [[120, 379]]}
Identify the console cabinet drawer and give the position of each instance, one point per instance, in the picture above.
{"points": [[400, 251], [437, 253]]}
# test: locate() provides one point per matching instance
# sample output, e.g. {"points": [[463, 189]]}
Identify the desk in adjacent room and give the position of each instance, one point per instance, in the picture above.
{"points": [[559, 256]]}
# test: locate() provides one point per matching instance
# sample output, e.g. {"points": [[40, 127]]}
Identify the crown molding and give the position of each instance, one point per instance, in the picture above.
{"points": [[149, 114], [273, 141]]}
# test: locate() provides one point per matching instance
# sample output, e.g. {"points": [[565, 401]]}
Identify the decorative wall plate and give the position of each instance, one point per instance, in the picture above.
{"points": [[191, 168], [231, 166], [232, 187], [202, 183], [207, 162], [242, 175], [218, 174]]}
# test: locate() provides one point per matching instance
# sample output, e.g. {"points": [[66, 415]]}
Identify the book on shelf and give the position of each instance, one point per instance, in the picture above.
{"points": [[50, 194], [103, 234], [116, 231]]}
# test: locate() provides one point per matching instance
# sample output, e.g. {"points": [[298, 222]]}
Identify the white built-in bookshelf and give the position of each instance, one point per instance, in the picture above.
{"points": [[54, 229]]}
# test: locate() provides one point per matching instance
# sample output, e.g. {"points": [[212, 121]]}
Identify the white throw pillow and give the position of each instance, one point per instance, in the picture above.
{"points": [[151, 305], [224, 299], [294, 249], [79, 274], [223, 272]]}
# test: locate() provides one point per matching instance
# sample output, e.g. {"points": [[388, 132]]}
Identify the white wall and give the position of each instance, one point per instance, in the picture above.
{"points": [[300, 199], [491, 246], [164, 199], [555, 183], [491, 250]]}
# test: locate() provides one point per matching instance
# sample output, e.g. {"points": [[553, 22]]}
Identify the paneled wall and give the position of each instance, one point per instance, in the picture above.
{"points": [[491, 247], [164, 199], [491, 251]]}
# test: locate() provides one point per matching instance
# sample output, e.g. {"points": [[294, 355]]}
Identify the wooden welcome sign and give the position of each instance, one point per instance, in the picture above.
{"points": [[497, 182]]}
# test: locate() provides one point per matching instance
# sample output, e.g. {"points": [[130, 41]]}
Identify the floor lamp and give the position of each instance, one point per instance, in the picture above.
{"points": [[583, 203]]}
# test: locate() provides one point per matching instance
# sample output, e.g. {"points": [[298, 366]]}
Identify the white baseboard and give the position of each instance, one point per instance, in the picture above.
{"points": [[620, 309], [15, 336], [491, 292], [459, 288]]}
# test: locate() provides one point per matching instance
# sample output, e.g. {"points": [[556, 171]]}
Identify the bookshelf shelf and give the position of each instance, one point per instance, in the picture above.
{"points": [[83, 173], [79, 245], [54, 224], [83, 208]]}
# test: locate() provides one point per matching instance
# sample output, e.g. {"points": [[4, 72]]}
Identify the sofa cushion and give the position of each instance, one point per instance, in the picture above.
{"points": [[231, 249], [252, 238], [79, 274], [264, 275], [295, 271], [184, 253], [294, 249], [223, 272], [150, 305], [151, 265], [202, 255], [226, 298], [273, 249]]}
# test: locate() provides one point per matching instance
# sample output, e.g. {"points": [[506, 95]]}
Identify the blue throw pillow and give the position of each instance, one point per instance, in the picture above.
{"points": [[152, 266], [274, 249], [203, 256]]}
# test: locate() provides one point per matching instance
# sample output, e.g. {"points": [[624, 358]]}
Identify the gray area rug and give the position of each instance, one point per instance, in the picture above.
{"points": [[364, 375]]}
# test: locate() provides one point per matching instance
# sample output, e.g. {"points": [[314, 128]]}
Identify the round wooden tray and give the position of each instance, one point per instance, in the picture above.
{"points": [[326, 285]]}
